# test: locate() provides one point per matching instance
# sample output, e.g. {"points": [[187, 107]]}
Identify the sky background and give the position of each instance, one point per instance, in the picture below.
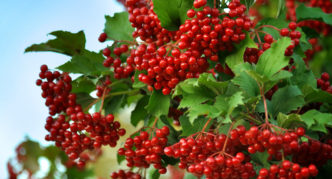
{"points": [[25, 22]]}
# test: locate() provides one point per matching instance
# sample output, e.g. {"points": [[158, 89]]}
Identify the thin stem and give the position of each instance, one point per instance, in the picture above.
{"points": [[214, 3], [102, 100], [154, 123], [227, 137], [90, 105], [206, 124], [268, 26], [258, 37], [265, 105]]}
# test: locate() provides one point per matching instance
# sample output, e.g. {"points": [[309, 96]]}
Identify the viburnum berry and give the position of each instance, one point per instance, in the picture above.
{"points": [[102, 37]]}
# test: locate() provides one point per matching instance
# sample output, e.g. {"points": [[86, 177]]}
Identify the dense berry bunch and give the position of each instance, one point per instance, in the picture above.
{"points": [[211, 155], [312, 152], [288, 169], [56, 90], [68, 134], [324, 83], [261, 140], [121, 174], [67, 129], [141, 151], [121, 70], [146, 23]]}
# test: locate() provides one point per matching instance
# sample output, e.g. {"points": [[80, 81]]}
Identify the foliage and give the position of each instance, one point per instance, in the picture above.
{"points": [[193, 77]]}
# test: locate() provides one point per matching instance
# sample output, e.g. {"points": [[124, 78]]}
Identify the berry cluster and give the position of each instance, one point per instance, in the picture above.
{"points": [[146, 23], [324, 83], [141, 151], [288, 169], [312, 152], [260, 140], [121, 70], [202, 155], [67, 129], [56, 90], [121, 174]]}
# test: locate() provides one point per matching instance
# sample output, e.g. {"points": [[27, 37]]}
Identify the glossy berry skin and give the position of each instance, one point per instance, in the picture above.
{"points": [[102, 37]]}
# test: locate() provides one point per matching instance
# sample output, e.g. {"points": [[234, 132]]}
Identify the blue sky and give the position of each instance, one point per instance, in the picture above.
{"points": [[22, 23]]}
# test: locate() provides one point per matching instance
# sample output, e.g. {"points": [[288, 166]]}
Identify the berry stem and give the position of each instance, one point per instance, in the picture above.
{"points": [[102, 100], [227, 137], [265, 105], [154, 123], [268, 26], [206, 124]]}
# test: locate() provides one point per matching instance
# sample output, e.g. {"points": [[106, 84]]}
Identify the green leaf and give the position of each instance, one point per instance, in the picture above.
{"points": [[118, 27], [191, 128], [312, 95], [289, 121], [208, 80], [312, 13], [84, 99], [158, 104], [286, 100], [73, 172], [237, 58], [83, 85], [172, 13], [317, 121], [113, 104], [261, 158], [302, 76], [226, 105], [273, 59], [120, 158], [153, 173], [88, 63], [202, 109], [245, 81], [248, 3], [65, 43], [139, 113]]}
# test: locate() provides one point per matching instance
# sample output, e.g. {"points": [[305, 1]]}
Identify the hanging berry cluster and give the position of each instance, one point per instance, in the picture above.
{"points": [[72, 129]]}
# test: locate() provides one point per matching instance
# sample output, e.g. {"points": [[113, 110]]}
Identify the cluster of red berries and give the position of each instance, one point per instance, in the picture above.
{"points": [[67, 133], [320, 27], [288, 169], [121, 70], [56, 90], [66, 129], [313, 152], [260, 140], [324, 83], [146, 23], [121, 174], [141, 151], [202, 156]]}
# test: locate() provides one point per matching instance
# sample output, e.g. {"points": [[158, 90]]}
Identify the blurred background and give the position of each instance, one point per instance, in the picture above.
{"points": [[23, 23]]}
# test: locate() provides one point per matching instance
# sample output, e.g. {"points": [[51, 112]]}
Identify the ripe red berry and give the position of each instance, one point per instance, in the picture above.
{"points": [[102, 37], [325, 76]]}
